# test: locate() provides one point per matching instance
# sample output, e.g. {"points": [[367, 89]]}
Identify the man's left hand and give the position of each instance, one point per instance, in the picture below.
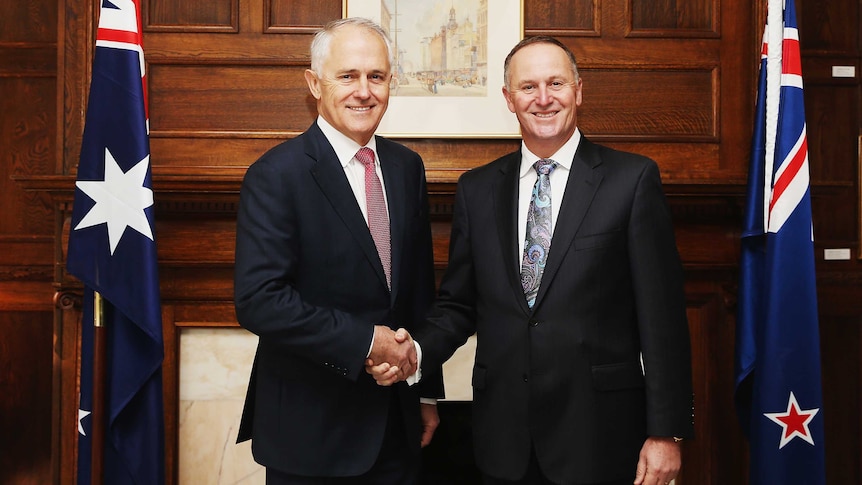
{"points": [[430, 420], [384, 374]]}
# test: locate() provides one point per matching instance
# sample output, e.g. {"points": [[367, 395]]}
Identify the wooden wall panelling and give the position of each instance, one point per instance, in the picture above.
{"points": [[674, 17], [292, 16], [235, 99], [829, 26], [26, 365], [651, 104], [714, 455], [832, 110], [67, 347], [707, 233], [830, 36], [741, 33], [841, 346], [28, 71], [196, 252], [76, 31], [213, 16], [581, 17], [28, 116]]}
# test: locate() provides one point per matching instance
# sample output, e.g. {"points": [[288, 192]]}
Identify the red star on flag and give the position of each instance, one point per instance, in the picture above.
{"points": [[794, 422]]}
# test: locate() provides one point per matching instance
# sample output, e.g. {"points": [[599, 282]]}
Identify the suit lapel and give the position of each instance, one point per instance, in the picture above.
{"points": [[394, 180], [581, 187], [505, 192], [329, 175]]}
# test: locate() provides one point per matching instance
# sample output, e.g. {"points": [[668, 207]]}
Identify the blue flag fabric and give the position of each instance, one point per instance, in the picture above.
{"points": [[85, 402], [112, 251], [778, 381]]}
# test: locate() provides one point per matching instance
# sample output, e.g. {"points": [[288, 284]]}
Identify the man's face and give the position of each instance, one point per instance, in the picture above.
{"points": [[353, 90], [544, 94]]}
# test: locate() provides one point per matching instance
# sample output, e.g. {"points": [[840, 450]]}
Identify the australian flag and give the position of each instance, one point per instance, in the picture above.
{"points": [[778, 384], [112, 251]]}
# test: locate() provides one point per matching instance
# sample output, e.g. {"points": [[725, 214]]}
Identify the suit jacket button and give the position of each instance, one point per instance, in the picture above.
{"points": [[526, 379], [534, 323]]}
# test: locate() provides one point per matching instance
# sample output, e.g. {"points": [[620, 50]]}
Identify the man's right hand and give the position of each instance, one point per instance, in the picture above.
{"points": [[392, 354]]}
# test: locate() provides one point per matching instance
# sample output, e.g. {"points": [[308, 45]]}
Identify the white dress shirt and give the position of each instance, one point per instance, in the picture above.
{"points": [[559, 178]]}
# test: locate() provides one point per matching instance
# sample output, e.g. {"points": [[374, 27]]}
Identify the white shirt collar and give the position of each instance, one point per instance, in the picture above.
{"points": [[345, 148], [564, 156]]}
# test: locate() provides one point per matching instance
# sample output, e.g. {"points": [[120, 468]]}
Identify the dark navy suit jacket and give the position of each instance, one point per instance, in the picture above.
{"points": [[310, 284]]}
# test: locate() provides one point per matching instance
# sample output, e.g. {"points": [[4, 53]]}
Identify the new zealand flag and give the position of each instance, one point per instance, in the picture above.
{"points": [[778, 383]]}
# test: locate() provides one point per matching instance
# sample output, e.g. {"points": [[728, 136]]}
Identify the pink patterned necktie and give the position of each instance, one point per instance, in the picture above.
{"points": [[378, 218]]}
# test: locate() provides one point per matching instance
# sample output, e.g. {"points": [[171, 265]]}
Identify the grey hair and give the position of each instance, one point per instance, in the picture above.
{"points": [[322, 39], [539, 39]]}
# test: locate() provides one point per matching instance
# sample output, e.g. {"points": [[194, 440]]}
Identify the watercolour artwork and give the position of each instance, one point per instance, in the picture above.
{"points": [[448, 70]]}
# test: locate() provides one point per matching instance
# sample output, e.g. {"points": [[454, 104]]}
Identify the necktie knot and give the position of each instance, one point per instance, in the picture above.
{"points": [[545, 166], [365, 156]]}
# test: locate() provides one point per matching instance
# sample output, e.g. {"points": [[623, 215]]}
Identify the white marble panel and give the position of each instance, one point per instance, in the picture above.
{"points": [[215, 363], [458, 372], [214, 369]]}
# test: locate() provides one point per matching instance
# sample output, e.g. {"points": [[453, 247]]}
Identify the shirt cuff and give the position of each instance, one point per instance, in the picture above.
{"points": [[418, 374], [371, 345]]}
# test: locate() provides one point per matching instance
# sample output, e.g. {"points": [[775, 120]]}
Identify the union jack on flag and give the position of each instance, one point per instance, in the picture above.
{"points": [[778, 383]]}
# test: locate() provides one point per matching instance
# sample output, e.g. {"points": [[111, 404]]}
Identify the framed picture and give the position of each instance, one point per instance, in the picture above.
{"points": [[448, 72]]}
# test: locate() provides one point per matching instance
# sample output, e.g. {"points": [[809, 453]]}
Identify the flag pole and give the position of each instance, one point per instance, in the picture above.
{"points": [[100, 352]]}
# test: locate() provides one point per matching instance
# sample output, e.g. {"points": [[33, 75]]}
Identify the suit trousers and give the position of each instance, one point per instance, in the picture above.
{"points": [[535, 476], [395, 465]]}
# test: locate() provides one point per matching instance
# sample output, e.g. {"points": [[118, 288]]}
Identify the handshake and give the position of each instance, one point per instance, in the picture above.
{"points": [[393, 356]]}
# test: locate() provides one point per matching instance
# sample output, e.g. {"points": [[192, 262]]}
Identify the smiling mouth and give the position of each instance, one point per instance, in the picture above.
{"points": [[360, 109]]}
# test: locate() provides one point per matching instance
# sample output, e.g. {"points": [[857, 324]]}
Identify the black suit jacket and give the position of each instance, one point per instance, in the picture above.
{"points": [[310, 284], [566, 375]]}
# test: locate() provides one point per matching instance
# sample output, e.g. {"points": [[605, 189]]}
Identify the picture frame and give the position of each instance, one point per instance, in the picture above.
{"points": [[448, 72]]}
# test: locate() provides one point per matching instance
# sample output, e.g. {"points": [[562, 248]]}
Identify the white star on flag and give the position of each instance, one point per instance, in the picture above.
{"points": [[120, 200], [81, 415], [794, 422]]}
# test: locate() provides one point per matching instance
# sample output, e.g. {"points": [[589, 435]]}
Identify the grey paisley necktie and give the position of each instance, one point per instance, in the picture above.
{"points": [[538, 239]]}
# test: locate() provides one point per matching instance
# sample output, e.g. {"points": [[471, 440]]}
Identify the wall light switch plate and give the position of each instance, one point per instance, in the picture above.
{"points": [[840, 254], [843, 71]]}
